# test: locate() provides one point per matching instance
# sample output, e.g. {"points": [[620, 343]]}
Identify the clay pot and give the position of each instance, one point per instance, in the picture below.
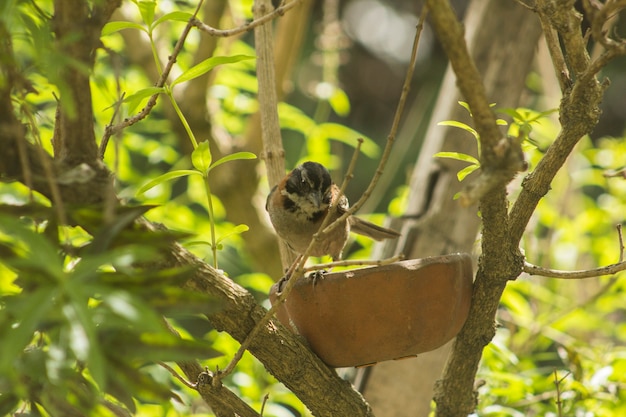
{"points": [[368, 315]]}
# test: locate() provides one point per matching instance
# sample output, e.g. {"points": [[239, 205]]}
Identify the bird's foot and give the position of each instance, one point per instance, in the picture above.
{"points": [[315, 276]]}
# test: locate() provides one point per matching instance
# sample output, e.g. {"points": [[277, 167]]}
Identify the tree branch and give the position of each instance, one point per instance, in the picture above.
{"points": [[273, 152], [579, 113], [500, 260], [587, 273], [258, 21], [283, 353], [113, 129], [77, 33]]}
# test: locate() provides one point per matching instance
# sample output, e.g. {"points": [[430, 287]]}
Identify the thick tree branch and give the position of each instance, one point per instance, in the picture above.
{"points": [[283, 353], [451, 35], [77, 32], [500, 259], [501, 158], [499, 262]]}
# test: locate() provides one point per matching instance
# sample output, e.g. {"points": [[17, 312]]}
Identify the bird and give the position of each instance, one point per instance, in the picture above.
{"points": [[298, 204]]}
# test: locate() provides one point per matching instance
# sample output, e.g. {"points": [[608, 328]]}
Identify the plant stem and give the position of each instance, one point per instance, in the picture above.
{"points": [[209, 197], [182, 118]]}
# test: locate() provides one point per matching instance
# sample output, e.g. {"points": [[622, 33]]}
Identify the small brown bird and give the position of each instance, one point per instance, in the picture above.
{"points": [[299, 203]]}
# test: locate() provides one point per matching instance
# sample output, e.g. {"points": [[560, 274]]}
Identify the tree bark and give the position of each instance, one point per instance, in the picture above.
{"points": [[434, 223]]}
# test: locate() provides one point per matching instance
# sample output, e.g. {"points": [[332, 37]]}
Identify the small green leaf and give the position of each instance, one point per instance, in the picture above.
{"points": [[146, 8], [201, 157], [501, 122], [465, 106], [144, 93], [30, 250], [237, 230], [345, 135], [460, 125], [105, 236], [28, 314], [83, 336], [458, 156], [295, 119], [514, 113], [166, 177], [207, 65], [233, 157], [339, 102], [113, 27], [466, 171], [174, 16], [134, 99]]}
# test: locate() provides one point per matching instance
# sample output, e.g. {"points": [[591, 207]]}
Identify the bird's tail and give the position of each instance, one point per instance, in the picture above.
{"points": [[371, 230]]}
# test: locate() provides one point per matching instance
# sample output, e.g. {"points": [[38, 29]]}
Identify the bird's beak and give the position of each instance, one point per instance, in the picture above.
{"points": [[316, 198]]}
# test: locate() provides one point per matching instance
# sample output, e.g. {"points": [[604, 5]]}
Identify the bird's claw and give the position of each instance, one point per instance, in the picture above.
{"points": [[317, 275]]}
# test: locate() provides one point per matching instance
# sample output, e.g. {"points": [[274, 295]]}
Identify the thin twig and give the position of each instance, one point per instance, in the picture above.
{"points": [[557, 384], [554, 47], [105, 139], [354, 262], [177, 375], [295, 271], [325, 227], [279, 11], [587, 273], [111, 130], [621, 242], [394, 127], [265, 398], [297, 268]]}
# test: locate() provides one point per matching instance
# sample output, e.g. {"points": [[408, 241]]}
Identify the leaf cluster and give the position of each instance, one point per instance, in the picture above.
{"points": [[82, 321]]}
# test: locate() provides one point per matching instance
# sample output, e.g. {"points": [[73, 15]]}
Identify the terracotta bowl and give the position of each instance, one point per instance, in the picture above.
{"points": [[369, 315]]}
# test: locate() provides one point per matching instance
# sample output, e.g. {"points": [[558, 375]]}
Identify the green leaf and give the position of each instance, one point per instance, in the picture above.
{"points": [[166, 177], [152, 346], [201, 157], [233, 157], [146, 8], [237, 230], [174, 16], [30, 311], [458, 156], [207, 65], [295, 119], [466, 171], [466, 106], [83, 336], [128, 378], [134, 99], [103, 239], [344, 134], [460, 125], [30, 249], [128, 310], [113, 27], [339, 102]]}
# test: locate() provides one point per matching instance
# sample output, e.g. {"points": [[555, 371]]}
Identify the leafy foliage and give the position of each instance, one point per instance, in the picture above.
{"points": [[81, 309], [84, 320], [563, 340]]}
